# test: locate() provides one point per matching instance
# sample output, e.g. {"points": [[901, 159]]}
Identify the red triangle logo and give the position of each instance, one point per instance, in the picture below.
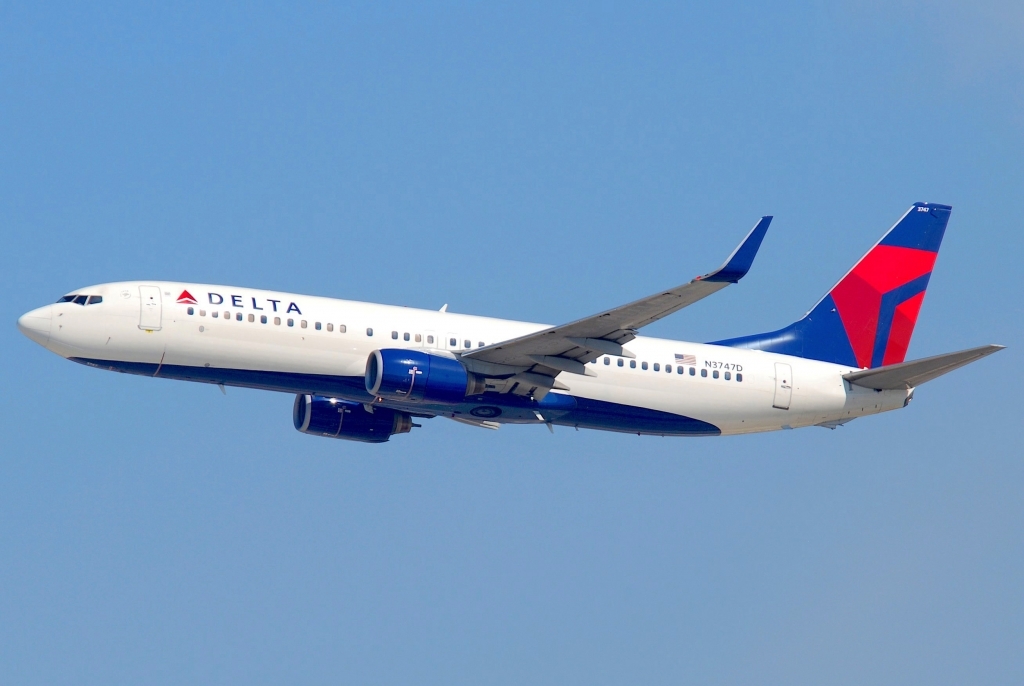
{"points": [[187, 298]]}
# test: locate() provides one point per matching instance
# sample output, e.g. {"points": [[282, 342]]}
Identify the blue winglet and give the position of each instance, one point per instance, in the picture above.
{"points": [[738, 263]]}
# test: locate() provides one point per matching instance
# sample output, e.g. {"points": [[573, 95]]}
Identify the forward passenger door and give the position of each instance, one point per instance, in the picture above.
{"points": [[150, 308]]}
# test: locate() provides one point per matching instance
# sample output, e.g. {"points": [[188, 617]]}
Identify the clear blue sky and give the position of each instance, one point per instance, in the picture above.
{"points": [[525, 162]]}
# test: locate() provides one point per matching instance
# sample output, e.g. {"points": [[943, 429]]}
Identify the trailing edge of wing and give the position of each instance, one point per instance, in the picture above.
{"points": [[916, 372], [605, 333]]}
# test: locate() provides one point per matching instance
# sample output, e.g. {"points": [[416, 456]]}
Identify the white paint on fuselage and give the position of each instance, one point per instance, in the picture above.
{"points": [[110, 331]]}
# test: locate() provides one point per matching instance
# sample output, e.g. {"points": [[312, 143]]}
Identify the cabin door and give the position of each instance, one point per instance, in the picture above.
{"points": [[783, 385], [150, 308]]}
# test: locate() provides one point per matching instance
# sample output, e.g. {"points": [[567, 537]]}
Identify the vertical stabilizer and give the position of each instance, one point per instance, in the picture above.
{"points": [[867, 319]]}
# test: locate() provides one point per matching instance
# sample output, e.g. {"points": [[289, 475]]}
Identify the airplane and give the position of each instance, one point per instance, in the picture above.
{"points": [[364, 372]]}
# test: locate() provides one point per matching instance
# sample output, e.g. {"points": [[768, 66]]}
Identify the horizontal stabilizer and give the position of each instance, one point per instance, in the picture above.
{"points": [[914, 373]]}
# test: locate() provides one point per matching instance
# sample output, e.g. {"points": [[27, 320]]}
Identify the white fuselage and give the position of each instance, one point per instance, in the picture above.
{"points": [[307, 342]]}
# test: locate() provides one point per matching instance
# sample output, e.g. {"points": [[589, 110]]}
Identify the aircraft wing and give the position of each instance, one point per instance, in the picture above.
{"points": [[569, 347]]}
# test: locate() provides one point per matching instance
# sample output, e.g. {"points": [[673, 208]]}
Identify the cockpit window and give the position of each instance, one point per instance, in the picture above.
{"points": [[82, 299]]}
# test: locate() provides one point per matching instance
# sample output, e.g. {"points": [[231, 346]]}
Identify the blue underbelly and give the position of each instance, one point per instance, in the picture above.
{"points": [[556, 408]]}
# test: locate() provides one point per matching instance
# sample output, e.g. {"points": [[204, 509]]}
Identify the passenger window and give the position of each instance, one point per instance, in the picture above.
{"points": [[95, 299], [238, 316], [80, 299], [303, 323], [405, 336], [291, 322], [480, 344], [657, 367], [620, 362], [419, 338], [215, 314], [452, 342], [643, 365], [692, 371], [467, 343], [342, 328], [227, 315], [704, 373], [277, 321], [191, 310], [728, 376], [714, 374], [679, 370], [632, 364], [607, 361], [317, 326], [202, 313], [394, 335], [739, 378], [430, 340], [252, 317], [668, 368], [263, 319], [330, 327], [369, 331]]}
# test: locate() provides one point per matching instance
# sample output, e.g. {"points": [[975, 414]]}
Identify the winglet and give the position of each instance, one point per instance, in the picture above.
{"points": [[738, 263]]}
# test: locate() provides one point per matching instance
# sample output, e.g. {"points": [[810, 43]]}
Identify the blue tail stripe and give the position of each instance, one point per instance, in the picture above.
{"points": [[888, 312]]}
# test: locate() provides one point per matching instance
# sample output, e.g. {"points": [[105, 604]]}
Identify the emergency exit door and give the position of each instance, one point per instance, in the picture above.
{"points": [[150, 308], [783, 386]]}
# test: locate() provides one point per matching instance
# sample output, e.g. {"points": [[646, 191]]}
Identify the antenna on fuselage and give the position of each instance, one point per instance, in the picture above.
{"points": [[444, 308]]}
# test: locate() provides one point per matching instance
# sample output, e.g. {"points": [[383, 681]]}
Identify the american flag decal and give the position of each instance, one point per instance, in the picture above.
{"points": [[686, 359]]}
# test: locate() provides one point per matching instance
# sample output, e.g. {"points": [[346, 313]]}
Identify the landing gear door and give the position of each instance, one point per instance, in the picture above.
{"points": [[783, 386], [150, 308]]}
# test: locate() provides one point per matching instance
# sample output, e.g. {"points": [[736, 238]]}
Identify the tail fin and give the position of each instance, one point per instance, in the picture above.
{"points": [[866, 320]]}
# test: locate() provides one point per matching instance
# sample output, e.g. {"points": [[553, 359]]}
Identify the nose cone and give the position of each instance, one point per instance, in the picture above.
{"points": [[36, 324]]}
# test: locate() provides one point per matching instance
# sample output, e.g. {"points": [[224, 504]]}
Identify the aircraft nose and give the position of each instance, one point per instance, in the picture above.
{"points": [[36, 324]]}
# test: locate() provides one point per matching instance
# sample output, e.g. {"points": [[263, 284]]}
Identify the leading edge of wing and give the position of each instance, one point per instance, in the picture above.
{"points": [[605, 332]]}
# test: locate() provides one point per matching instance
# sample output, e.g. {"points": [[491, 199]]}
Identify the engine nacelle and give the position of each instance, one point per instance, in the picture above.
{"points": [[415, 376], [335, 418]]}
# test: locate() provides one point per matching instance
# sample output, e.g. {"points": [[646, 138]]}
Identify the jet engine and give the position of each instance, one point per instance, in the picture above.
{"points": [[335, 418], [415, 376]]}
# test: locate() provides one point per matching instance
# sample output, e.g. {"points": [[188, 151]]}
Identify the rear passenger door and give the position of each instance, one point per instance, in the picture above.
{"points": [[783, 386]]}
